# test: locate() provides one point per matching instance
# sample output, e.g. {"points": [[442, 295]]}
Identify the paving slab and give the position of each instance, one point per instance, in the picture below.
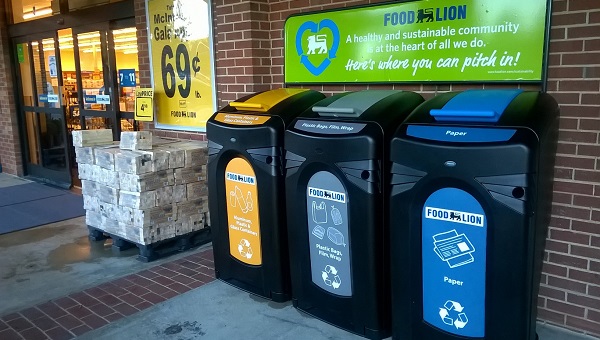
{"points": [[219, 311]]}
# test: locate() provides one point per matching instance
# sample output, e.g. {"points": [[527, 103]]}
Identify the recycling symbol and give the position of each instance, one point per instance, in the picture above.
{"points": [[330, 277], [452, 314], [245, 249]]}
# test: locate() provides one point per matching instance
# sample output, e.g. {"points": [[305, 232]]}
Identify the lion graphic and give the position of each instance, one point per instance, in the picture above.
{"points": [[426, 13], [317, 44]]}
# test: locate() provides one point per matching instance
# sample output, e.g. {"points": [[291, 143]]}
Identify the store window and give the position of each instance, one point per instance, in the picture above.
{"points": [[86, 61], [46, 74], [92, 73], [69, 75], [126, 58]]}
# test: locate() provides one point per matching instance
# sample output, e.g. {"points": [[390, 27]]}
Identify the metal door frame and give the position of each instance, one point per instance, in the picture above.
{"points": [[109, 73], [61, 178]]}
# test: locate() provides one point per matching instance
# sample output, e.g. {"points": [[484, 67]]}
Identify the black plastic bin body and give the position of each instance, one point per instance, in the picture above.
{"points": [[470, 207], [246, 190], [336, 161]]}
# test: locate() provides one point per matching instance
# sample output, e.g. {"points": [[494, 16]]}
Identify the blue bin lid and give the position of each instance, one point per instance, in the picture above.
{"points": [[477, 106]]}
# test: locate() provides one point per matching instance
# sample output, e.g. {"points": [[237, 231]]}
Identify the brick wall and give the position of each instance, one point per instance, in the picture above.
{"points": [[243, 48], [249, 58], [10, 147], [570, 291]]}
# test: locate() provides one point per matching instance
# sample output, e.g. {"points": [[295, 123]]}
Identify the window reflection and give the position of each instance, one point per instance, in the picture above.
{"points": [[52, 141], [28, 10], [126, 55], [46, 73]]}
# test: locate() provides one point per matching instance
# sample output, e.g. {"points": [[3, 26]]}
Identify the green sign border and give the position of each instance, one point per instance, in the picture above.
{"points": [[289, 44]]}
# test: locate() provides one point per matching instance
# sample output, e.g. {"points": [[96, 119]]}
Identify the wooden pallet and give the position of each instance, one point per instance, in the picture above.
{"points": [[157, 250]]}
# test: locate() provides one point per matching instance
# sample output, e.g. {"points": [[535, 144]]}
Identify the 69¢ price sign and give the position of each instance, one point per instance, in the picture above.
{"points": [[184, 66], [181, 63]]}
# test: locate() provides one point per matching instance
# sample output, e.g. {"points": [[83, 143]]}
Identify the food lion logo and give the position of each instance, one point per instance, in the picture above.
{"points": [[317, 44], [425, 14], [454, 216]]}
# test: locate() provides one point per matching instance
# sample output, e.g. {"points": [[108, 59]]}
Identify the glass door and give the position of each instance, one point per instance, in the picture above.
{"points": [[41, 108], [106, 72]]}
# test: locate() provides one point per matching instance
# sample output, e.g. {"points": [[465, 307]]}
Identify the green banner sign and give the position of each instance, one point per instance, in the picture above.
{"points": [[417, 41]]}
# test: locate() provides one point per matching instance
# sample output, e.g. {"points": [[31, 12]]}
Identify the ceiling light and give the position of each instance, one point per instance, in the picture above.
{"points": [[125, 30], [125, 47], [126, 39]]}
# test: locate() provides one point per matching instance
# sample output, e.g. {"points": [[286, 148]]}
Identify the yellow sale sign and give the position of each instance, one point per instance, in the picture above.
{"points": [[242, 212], [144, 104], [181, 61]]}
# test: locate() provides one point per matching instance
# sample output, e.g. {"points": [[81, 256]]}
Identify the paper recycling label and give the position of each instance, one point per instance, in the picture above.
{"points": [[454, 239]]}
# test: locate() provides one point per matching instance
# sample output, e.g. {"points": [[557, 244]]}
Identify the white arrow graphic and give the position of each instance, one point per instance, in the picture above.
{"points": [[457, 306], [335, 284], [445, 318], [461, 321]]}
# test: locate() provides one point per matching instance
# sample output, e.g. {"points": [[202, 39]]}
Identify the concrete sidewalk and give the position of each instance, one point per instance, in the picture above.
{"points": [[219, 311]]}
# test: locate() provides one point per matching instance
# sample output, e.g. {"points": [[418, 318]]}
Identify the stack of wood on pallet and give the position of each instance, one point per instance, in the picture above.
{"points": [[143, 189]]}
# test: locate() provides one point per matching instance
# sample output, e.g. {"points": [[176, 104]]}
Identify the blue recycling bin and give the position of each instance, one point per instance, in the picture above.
{"points": [[471, 189]]}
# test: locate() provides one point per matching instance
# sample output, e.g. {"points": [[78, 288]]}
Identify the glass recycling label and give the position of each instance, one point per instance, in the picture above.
{"points": [[242, 212], [327, 212], [454, 236]]}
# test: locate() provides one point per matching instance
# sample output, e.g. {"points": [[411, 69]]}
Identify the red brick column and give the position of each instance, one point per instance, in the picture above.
{"points": [[570, 292], [242, 48], [10, 146], [142, 42]]}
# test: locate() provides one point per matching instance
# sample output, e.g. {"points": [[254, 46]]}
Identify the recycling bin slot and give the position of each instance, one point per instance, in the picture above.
{"points": [[265, 101], [464, 116], [246, 189], [469, 210], [337, 111], [335, 194], [249, 106]]}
